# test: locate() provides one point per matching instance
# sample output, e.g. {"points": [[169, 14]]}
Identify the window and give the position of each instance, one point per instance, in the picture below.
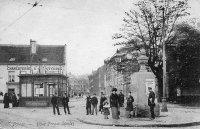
{"points": [[26, 90], [39, 89], [11, 76]]}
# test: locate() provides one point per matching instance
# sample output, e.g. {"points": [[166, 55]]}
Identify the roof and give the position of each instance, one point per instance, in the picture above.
{"points": [[20, 54]]}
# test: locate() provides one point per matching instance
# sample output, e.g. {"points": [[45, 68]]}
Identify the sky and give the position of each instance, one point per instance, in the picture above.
{"points": [[85, 26]]}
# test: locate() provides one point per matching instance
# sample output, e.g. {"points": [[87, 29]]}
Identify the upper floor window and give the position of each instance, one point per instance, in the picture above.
{"points": [[11, 76]]}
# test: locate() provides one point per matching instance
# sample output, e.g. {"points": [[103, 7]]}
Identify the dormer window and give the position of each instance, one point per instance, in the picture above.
{"points": [[12, 59], [44, 59]]}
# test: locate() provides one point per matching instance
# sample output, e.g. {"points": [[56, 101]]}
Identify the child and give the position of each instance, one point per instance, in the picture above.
{"points": [[106, 107]]}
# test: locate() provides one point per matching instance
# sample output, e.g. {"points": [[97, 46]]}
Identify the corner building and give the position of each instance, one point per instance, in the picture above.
{"points": [[35, 72]]}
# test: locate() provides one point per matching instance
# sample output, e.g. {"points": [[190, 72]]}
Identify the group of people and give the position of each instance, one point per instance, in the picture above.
{"points": [[115, 103], [10, 98], [55, 103]]}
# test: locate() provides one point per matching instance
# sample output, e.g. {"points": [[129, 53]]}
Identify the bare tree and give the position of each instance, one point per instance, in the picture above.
{"points": [[148, 25]]}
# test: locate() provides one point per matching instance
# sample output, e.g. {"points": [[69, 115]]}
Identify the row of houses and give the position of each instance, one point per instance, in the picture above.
{"points": [[109, 75]]}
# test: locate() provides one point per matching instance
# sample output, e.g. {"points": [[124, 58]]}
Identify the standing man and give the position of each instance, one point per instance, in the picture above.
{"points": [[129, 106], [121, 99], [54, 101], [151, 102], [94, 102], [65, 101], [88, 105]]}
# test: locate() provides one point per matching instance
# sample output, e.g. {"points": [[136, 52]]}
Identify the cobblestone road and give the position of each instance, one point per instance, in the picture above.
{"points": [[42, 118]]}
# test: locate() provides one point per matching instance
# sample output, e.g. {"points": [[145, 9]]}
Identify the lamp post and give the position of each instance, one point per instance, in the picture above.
{"points": [[164, 104]]}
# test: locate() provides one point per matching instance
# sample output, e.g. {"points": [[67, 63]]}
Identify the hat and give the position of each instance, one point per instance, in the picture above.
{"points": [[114, 89]]}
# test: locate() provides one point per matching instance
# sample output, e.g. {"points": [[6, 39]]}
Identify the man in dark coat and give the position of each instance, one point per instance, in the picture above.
{"points": [[151, 102], [130, 101], [121, 99], [102, 99], [65, 101], [94, 102], [14, 100], [54, 101], [88, 105]]}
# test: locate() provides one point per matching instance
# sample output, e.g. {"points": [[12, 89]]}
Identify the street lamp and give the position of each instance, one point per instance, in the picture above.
{"points": [[164, 104]]}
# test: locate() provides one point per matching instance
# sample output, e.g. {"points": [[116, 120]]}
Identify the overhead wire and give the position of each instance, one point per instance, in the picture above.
{"points": [[12, 23]]}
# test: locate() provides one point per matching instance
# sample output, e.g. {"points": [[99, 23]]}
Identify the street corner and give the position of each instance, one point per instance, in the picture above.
{"points": [[162, 121]]}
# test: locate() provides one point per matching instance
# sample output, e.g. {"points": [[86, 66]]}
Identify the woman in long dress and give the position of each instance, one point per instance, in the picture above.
{"points": [[114, 104], [6, 100]]}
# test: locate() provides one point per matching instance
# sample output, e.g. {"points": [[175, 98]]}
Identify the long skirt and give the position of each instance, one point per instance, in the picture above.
{"points": [[115, 113]]}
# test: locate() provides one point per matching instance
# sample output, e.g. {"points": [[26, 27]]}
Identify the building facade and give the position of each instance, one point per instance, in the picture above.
{"points": [[33, 59], [78, 85]]}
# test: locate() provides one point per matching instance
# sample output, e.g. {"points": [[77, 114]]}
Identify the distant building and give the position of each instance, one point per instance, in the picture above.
{"points": [[78, 85], [33, 71]]}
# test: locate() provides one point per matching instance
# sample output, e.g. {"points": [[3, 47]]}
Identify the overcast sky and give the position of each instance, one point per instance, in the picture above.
{"points": [[86, 26]]}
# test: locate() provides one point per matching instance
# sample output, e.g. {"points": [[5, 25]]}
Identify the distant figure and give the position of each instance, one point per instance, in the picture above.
{"points": [[102, 99], [88, 105], [1, 93], [54, 102], [65, 101], [106, 107], [17, 100], [14, 100], [178, 95], [151, 102], [130, 101], [114, 104], [121, 99], [94, 102], [6, 100]]}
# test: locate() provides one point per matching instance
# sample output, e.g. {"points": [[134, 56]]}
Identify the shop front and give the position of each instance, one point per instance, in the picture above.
{"points": [[37, 89]]}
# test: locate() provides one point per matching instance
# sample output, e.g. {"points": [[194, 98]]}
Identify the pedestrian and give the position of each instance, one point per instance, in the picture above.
{"points": [[65, 101], [106, 107], [102, 99], [14, 100], [151, 102], [88, 105], [17, 100], [129, 106], [94, 102], [6, 100], [121, 99], [114, 104], [54, 101]]}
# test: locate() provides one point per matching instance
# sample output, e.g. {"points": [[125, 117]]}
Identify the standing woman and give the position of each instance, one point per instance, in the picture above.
{"points": [[114, 104], [6, 100], [130, 101]]}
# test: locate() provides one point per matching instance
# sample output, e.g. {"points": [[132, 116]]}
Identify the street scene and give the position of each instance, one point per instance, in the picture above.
{"points": [[99, 64]]}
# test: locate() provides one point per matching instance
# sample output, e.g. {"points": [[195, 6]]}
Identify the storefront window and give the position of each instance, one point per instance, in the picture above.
{"points": [[39, 89], [26, 90]]}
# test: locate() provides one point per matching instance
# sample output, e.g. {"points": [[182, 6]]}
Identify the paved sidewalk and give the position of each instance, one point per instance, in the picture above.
{"points": [[177, 116]]}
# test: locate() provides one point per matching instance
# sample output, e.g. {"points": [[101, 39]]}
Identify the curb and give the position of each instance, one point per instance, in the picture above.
{"points": [[147, 125]]}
